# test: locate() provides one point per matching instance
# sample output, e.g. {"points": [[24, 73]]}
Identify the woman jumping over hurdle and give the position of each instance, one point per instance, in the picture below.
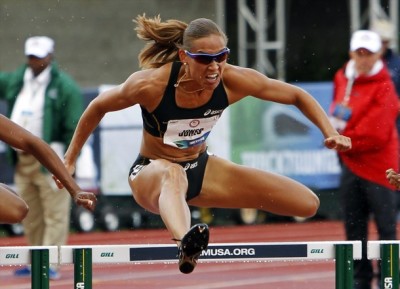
{"points": [[184, 86], [13, 209]]}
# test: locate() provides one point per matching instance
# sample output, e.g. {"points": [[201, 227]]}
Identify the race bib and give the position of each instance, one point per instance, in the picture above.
{"points": [[185, 133]]}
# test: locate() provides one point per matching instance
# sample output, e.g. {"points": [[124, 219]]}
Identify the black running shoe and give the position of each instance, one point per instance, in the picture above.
{"points": [[192, 244]]}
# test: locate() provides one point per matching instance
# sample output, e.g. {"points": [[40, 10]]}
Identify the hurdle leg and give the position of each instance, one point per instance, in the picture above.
{"points": [[40, 269], [82, 268], [389, 266], [344, 266]]}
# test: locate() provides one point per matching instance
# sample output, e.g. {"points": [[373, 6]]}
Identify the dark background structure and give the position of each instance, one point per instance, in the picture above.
{"points": [[96, 43]]}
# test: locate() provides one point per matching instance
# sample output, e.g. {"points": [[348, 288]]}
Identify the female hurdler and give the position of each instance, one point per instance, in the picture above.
{"points": [[183, 88]]}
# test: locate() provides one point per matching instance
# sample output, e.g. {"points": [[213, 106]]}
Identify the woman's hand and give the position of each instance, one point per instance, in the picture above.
{"points": [[86, 199], [340, 143], [393, 177]]}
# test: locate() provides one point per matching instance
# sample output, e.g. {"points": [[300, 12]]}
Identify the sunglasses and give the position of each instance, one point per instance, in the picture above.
{"points": [[206, 58]]}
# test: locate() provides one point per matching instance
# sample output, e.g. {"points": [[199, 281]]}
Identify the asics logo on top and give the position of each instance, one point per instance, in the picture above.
{"points": [[213, 112], [190, 166]]}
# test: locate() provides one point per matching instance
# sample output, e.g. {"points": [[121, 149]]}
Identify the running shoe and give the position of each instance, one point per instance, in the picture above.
{"points": [[192, 244]]}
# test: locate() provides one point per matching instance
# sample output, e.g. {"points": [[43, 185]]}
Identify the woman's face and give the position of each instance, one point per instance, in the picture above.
{"points": [[207, 75], [364, 60]]}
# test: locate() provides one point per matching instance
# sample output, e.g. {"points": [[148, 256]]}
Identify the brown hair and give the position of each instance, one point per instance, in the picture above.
{"points": [[165, 38]]}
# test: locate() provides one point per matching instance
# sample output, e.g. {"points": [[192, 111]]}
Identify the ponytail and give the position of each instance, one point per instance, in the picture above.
{"points": [[163, 40]]}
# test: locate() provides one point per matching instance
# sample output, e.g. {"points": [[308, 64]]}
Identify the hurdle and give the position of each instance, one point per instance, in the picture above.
{"points": [[343, 252], [38, 256], [388, 253], [84, 256]]}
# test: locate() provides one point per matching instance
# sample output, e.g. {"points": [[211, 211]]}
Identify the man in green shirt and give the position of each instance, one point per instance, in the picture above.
{"points": [[48, 103]]}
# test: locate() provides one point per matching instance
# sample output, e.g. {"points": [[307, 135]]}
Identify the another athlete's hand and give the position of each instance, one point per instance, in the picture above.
{"points": [[86, 199], [340, 143], [393, 177]]}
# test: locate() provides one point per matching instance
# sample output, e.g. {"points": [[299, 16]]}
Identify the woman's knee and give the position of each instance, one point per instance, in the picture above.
{"points": [[174, 178], [311, 206], [21, 211], [15, 213]]}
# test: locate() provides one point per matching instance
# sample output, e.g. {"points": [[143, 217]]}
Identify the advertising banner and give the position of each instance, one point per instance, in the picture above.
{"points": [[279, 138]]}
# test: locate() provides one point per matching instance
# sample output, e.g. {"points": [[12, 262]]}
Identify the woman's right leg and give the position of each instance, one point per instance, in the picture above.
{"points": [[161, 188]]}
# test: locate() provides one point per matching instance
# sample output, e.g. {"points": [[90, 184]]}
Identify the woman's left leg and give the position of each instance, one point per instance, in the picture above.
{"points": [[229, 185]]}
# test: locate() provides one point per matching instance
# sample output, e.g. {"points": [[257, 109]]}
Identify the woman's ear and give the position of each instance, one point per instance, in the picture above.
{"points": [[182, 55]]}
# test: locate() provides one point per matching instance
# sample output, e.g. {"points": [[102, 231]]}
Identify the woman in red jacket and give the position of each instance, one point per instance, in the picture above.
{"points": [[365, 108]]}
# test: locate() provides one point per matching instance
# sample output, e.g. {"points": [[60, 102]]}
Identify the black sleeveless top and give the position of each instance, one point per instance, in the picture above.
{"points": [[184, 127]]}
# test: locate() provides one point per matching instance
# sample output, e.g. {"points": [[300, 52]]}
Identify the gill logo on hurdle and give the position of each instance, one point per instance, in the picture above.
{"points": [[107, 254], [12, 256]]}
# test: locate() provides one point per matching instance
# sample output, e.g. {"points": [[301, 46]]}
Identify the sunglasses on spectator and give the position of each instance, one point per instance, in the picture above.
{"points": [[206, 58]]}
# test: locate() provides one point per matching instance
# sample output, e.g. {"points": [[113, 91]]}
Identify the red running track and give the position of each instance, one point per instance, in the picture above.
{"points": [[274, 275]]}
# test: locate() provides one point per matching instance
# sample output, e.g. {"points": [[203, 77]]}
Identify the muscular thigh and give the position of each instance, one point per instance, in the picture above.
{"points": [[146, 185], [155, 178], [229, 185]]}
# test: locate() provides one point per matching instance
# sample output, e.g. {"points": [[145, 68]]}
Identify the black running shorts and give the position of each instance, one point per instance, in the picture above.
{"points": [[194, 172]]}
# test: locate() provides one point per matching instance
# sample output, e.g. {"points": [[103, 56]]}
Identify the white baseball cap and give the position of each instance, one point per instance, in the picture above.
{"points": [[365, 39], [39, 46]]}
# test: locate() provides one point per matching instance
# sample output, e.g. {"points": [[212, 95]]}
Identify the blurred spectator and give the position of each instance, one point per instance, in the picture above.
{"points": [[386, 31], [365, 108], [48, 103]]}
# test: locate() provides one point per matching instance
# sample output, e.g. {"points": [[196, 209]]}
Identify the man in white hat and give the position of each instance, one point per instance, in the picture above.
{"points": [[39, 46], [48, 103]]}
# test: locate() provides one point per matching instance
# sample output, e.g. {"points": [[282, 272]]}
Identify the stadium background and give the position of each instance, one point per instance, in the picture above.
{"points": [[96, 44], [95, 41]]}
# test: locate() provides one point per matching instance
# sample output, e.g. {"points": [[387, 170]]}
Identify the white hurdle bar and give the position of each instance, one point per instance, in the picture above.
{"points": [[388, 254], [216, 252], [21, 255], [38, 256], [83, 256], [343, 252]]}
